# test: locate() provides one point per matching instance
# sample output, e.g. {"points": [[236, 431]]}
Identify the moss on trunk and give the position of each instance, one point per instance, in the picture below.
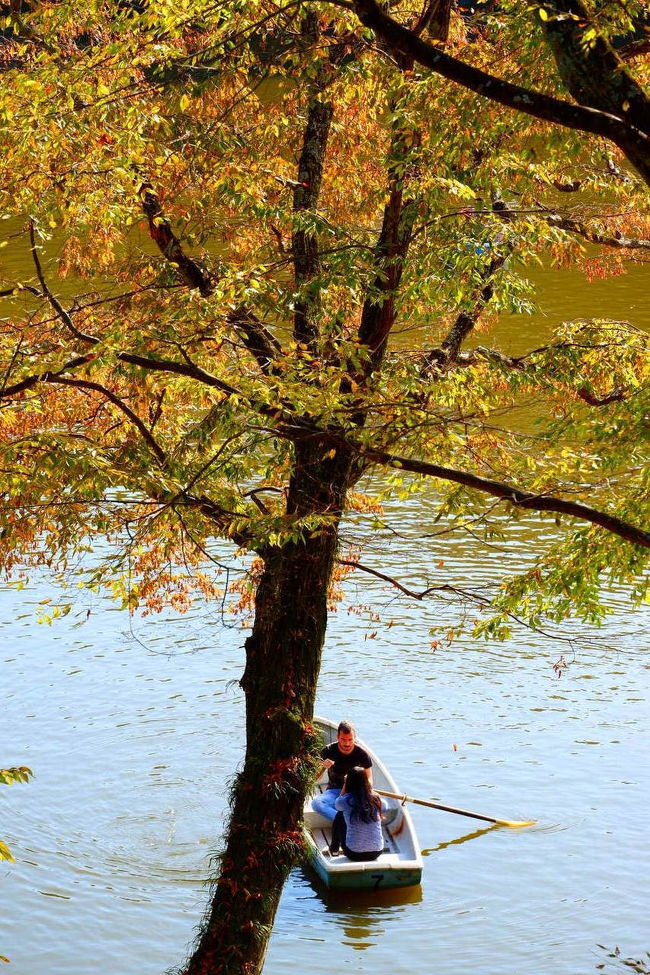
{"points": [[283, 655]]}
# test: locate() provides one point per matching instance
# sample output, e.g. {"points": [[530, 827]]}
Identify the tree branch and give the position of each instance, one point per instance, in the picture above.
{"points": [[62, 314], [306, 188], [43, 377], [189, 270], [589, 66], [257, 338], [391, 249], [616, 396], [515, 496], [389, 579], [466, 321], [146, 435], [160, 365], [483, 602], [188, 369], [305, 199], [634, 142], [635, 49], [434, 20], [595, 237]]}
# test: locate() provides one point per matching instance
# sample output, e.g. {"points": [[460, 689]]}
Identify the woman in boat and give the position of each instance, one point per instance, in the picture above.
{"points": [[357, 825]]}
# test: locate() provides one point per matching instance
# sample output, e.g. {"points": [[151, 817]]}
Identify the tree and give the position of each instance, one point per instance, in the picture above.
{"points": [[260, 249], [611, 101]]}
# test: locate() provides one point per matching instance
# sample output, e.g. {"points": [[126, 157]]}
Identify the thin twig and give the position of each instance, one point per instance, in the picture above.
{"points": [[121, 405], [56, 304]]}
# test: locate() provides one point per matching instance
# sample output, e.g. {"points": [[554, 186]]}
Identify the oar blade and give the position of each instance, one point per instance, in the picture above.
{"points": [[515, 823]]}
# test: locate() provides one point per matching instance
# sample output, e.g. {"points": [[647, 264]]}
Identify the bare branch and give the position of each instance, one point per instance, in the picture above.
{"points": [[389, 579], [62, 314], [616, 396], [146, 435], [515, 496], [482, 602]]}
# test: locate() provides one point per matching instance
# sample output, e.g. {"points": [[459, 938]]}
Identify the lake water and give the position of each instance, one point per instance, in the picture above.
{"points": [[134, 731]]}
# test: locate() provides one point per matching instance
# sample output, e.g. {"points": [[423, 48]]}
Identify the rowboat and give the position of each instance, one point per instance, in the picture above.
{"points": [[400, 862]]}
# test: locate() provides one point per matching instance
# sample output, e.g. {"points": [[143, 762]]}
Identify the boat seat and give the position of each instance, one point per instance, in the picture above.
{"points": [[391, 815], [314, 820]]}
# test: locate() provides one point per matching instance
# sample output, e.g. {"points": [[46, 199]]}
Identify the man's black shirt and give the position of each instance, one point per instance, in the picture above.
{"points": [[343, 763]]}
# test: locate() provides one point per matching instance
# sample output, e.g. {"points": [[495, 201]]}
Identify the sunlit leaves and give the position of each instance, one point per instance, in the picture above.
{"points": [[9, 776], [21, 773], [207, 106]]}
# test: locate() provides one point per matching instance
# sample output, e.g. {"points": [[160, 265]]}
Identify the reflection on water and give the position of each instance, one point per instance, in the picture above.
{"points": [[362, 917], [351, 900], [460, 839]]}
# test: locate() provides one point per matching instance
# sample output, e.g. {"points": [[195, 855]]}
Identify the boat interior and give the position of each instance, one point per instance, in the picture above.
{"points": [[320, 829]]}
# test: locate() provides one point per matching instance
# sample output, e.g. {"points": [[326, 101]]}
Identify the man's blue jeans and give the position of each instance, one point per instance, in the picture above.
{"points": [[324, 804]]}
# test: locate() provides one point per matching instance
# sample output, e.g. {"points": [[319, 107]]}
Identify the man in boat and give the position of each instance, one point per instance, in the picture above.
{"points": [[339, 758]]}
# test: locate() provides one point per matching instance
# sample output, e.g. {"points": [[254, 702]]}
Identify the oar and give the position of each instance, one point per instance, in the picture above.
{"points": [[453, 809]]}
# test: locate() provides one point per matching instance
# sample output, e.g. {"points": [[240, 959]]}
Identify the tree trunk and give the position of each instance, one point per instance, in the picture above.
{"points": [[595, 74], [283, 656]]}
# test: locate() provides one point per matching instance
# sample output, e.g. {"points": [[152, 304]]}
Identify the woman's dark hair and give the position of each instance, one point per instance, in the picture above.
{"points": [[365, 804]]}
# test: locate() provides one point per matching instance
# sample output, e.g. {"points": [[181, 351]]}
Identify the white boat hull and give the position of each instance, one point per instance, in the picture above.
{"points": [[399, 864]]}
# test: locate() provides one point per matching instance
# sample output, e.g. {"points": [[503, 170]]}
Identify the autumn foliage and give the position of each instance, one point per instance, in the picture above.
{"points": [[251, 260]]}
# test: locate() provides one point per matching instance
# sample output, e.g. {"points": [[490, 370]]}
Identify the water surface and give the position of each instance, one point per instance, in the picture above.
{"points": [[134, 737]]}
